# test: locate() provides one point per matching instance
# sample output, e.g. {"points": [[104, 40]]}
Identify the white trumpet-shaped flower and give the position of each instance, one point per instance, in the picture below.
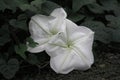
{"points": [[68, 45], [44, 29], [72, 49]]}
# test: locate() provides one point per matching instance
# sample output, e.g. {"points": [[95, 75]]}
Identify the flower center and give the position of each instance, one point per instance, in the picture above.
{"points": [[53, 31], [69, 44]]}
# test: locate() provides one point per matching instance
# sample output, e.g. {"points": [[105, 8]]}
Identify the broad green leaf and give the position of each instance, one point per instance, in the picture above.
{"points": [[96, 8], [77, 4], [114, 22], [21, 49], [3, 6], [101, 32], [37, 3], [8, 69], [49, 6], [31, 43], [89, 18], [116, 35], [117, 11], [20, 22], [11, 4], [34, 6], [76, 17], [25, 7], [109, 4], [7, 4]]}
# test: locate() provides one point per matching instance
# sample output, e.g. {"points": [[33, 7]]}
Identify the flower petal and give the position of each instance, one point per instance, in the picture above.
{"points": [[58, 24], [80, 55], [84, 47], [62, 63], [73, 32], [36, 32], [39, 29], [37, 49], [85, 30], [80, 62], [42, 22], [42, 43], [53, 47], [59, 12]]}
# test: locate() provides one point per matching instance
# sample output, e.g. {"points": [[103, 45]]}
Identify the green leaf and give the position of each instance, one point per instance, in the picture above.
{"points": [[8, 69], [76, 17], [96, 8], [77, 4], [3, 6], [109, 4], [25, 7], [49, 6], [20, 22], [11, 4], [116, 35], [101, 32], [117, 11], [114, 22], [37, 3], [21, 49], [31, 43], [34, 6]]}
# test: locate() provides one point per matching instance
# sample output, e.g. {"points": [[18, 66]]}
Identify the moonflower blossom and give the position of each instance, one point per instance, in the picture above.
{"points": [[72, 49], [68, 45], [44, 29]]}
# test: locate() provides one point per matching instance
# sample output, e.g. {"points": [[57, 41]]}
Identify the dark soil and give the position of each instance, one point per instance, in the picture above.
{"points": [[106, 67]]}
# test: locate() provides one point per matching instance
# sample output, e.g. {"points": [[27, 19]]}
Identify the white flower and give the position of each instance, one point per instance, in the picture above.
{"points": [[72, 49], [44, 29], [68, 45]]}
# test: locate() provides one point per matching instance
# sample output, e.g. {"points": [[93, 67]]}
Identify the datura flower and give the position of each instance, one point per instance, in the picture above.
{"points": [[72, 49], [44, 29], [68, 45]]}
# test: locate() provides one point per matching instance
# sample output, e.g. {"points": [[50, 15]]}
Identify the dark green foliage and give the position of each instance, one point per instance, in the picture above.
{"points": [[102, 16], [11, 4], [8, 69], [20, 50], [77, 4], [101, 32], [20, 22], [48, 7], [114, 23], [4, 35], [31, 43], [76, 17], [34, 6], [96, 8], [109, 4]]}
